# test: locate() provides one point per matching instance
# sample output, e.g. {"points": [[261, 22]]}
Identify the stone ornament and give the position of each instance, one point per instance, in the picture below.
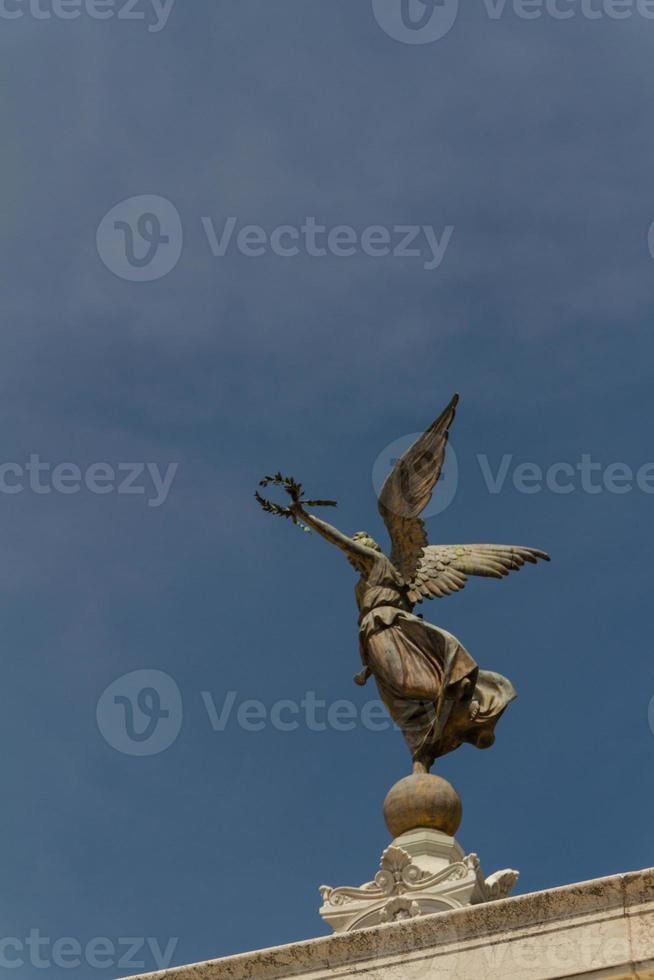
{"points": [[436, 877]]}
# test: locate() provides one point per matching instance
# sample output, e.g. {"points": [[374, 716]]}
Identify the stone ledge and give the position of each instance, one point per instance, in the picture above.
{"points": [[602, 929]]}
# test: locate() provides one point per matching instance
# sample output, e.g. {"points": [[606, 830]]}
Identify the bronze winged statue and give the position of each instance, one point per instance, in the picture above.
{"points": [[430, 684]]}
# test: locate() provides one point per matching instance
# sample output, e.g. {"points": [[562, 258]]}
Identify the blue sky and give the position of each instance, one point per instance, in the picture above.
{"points": [[529, 139]]}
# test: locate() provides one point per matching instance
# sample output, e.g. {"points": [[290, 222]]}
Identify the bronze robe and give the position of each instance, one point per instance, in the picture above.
{"points": [[431, 686]]}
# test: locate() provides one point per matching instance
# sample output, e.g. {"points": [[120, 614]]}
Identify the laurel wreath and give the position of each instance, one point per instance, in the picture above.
{"points": [[295, 491]]}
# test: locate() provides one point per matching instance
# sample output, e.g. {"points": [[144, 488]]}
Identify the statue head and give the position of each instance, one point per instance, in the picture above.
{"points": [[362, 537]]}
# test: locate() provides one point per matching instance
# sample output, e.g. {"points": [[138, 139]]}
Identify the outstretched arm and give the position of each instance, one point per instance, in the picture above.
{"points": [[357, 553]]}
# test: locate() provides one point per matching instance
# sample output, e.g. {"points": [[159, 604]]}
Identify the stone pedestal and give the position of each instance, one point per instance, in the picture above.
{"points": [[423, 871]]}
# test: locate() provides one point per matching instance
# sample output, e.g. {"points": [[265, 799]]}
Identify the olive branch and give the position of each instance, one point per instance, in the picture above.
{"points": [[295, 491]]}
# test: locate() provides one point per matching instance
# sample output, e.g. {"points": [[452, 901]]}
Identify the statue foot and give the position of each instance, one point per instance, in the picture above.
{"points": [[420, 767]]}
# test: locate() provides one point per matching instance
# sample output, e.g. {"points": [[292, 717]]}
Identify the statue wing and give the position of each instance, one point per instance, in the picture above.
{"points": [[408, 490], [444, 568]]}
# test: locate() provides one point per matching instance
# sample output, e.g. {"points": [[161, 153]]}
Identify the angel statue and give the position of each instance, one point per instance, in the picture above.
{"points": [[430, 684]]}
